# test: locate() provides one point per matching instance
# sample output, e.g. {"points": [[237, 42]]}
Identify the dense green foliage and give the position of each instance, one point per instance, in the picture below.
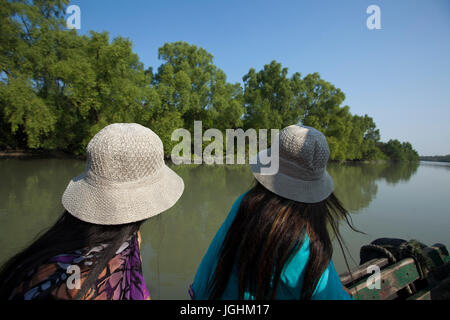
{"points": [[58, 88], [445, 158], [397, 151], [272, 100]]}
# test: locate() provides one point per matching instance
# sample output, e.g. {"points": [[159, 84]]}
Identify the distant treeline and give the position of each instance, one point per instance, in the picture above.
{"points": [[58, 88], [436, 158], [398, 151]]}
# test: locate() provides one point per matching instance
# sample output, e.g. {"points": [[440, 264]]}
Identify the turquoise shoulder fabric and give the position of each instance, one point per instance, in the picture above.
{"points": [[329, 286]]}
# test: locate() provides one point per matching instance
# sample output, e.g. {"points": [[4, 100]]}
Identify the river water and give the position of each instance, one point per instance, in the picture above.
{"points": [[408, 201]]}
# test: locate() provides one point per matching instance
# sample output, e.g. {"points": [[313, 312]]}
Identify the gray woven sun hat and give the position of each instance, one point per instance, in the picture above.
{"points": [[125, 180], [302, 174]]}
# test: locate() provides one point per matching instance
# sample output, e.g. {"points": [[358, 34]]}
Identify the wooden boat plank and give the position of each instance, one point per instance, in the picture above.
{"points": [[396, 277], [421, 295], [393, 279], [361, 271]]}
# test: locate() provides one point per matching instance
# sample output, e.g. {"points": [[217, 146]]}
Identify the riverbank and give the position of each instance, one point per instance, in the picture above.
{"points": [[435, 158], [38, 154], [58, 154], [43, 154]]}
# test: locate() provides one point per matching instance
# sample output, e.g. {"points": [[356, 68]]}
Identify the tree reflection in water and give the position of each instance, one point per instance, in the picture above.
{"points": [[174, 242]]}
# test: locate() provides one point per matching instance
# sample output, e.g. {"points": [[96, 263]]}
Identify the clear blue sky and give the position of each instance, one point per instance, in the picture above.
{"points": [[399, 75]]}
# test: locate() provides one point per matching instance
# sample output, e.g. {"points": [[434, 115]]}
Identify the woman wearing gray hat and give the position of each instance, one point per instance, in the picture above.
{"points": [[93, 250], [275, 242]]}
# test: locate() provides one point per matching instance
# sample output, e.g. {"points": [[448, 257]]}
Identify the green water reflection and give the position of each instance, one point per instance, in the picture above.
{"points": [[174, 242]]}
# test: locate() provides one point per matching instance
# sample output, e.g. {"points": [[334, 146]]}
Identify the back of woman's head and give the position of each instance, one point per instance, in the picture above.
{"points": [[125, 182], [65, 236], [267, 231]]}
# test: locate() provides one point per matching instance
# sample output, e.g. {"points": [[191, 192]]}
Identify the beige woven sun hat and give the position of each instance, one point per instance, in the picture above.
{"points": [[125, 180], [302, 174]]}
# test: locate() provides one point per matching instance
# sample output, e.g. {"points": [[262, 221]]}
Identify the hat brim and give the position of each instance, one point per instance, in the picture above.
{"points": [[311, 191], [116, 205]]}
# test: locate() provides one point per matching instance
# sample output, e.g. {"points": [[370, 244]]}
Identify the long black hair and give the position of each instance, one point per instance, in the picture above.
{"points": [[267, 231], [66, 235]]}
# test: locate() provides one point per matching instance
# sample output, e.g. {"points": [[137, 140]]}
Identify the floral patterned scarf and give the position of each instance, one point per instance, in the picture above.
{"points": [[121, 279]]}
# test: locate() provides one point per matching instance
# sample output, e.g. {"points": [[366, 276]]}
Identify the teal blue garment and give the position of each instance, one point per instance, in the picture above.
{"points": [[329, 286]]}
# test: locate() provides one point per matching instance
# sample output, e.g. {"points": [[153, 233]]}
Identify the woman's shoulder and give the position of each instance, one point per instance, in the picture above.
{"points": [[199, 289], [62, 276], [50, 279], [292, 274], [234, 209]]}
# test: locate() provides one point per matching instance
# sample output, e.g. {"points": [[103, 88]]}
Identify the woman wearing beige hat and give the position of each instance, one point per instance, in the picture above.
{"points": [[92, 252], [275, 242]]}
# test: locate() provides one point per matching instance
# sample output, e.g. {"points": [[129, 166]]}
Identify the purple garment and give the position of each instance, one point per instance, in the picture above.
{"points": [[121, 279]]}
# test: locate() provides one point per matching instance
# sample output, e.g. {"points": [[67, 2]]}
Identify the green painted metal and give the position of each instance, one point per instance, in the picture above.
{"points": [[442, 248], [435, 255], [393, 278], [399, 276]]}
